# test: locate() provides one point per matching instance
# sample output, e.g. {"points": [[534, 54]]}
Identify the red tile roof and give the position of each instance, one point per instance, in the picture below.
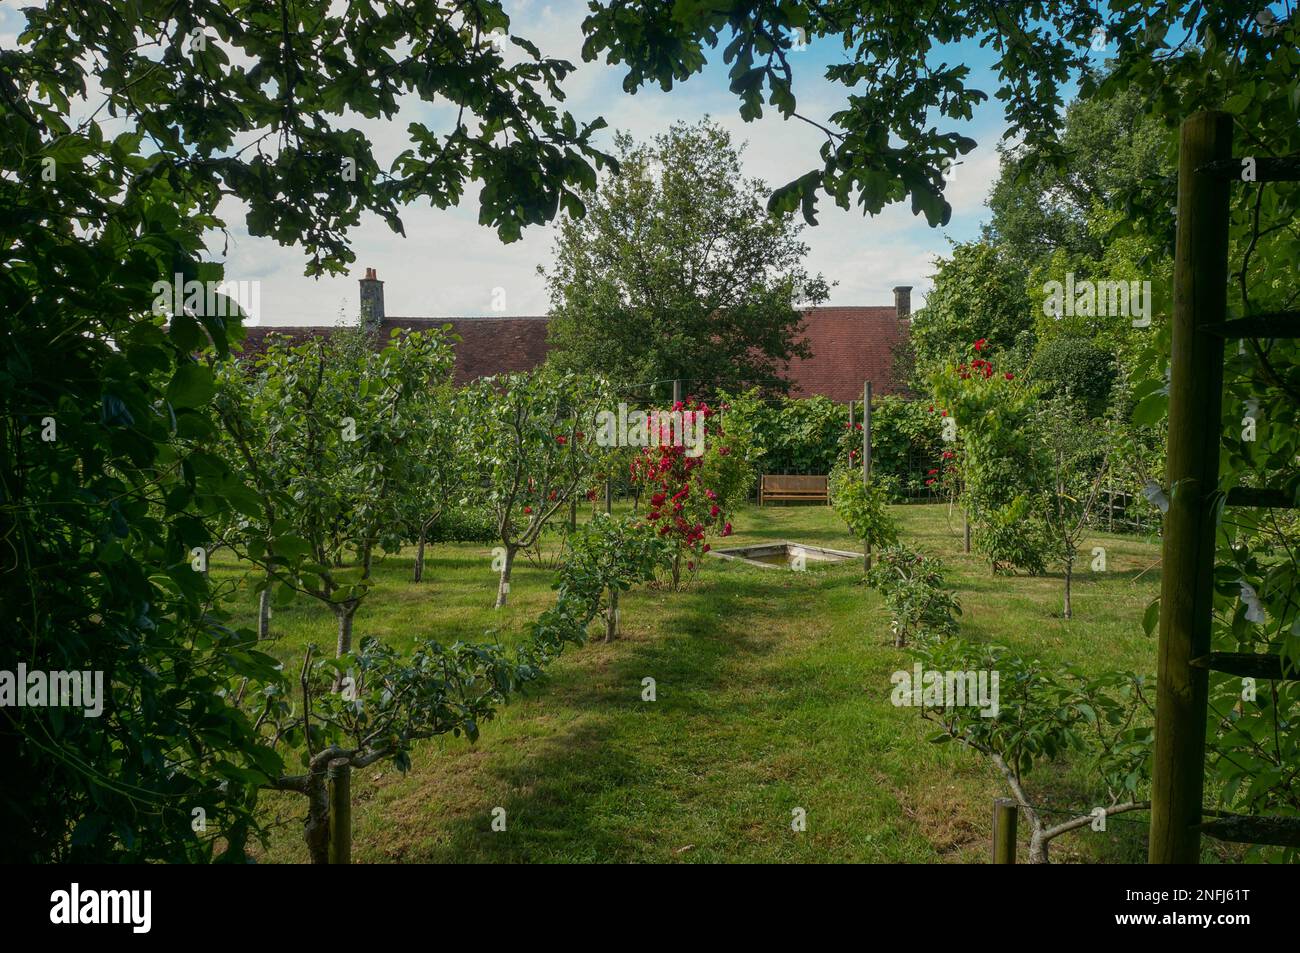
{"points": [[849, 345]]}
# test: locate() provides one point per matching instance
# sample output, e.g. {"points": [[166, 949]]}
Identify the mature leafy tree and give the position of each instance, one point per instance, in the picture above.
{"points": [[677, 271], [979, 293], [1112, 150]]}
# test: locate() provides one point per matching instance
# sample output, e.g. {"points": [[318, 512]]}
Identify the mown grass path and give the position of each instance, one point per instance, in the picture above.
{"points": [[772, 694]]}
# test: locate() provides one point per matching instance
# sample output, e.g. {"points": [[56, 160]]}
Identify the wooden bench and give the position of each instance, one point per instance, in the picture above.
{"points": [[785, 486]]}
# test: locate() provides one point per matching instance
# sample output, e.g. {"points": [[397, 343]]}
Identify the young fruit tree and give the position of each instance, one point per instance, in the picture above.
{"points": [[1039, 713], [530, 439], [441, 478], [375, 703], [342, 418], [1076, 459]]}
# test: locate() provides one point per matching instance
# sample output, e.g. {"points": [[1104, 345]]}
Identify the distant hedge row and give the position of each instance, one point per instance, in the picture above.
{"points": [[809, 435]]}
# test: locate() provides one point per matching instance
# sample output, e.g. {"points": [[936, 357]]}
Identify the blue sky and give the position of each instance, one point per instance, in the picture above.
{"points": [[449, 265]]}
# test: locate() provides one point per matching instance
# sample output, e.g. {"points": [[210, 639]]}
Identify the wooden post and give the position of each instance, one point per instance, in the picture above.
{"points": [[966, 514], [677, 392], [340, 776], [1192, 470], [611, 623], [866, 461], [1005, 813]]}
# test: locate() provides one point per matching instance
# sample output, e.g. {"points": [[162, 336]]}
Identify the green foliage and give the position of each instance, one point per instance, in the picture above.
{"points": [[676, 271], [1045, 713], [1013, 534], [608, 553], [328, 433], [790, 435], [905, 446], [978, 293], [531, 440], [912, 585], [1002, 462], [812, 435], [101, 201], [1078, 368], [474, 524], [1113, 147], [863, 506]]}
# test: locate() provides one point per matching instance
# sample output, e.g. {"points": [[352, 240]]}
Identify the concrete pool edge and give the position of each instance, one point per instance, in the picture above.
{"points": [[743, 554]]}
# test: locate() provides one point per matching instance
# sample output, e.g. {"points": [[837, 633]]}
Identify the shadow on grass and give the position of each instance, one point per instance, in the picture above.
{"points": [[595, 791]]}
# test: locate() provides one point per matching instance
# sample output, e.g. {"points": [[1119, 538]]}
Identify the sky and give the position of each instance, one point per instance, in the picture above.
{"points": [[448, 265]]}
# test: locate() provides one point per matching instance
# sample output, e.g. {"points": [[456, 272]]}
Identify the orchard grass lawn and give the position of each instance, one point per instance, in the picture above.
{"points": [[773, 694]]}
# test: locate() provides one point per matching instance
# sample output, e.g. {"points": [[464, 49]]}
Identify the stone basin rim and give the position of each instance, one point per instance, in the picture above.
{"points": [[743, 553]]}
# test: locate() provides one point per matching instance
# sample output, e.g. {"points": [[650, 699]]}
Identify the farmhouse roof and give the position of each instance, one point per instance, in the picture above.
{"points": [[849, 345]]}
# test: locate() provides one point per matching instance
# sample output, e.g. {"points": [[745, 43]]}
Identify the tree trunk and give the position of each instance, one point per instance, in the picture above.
{"points": [[611, 619], [503, 587], [366, 557], [340, 817], [1069, 572], [1038, 849], [345, 611], [264, 614], [316, 829], [419, 555], [677, 569]]}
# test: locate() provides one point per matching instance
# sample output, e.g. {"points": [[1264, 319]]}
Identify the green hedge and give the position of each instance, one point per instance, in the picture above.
{"points": [[810, 435]]}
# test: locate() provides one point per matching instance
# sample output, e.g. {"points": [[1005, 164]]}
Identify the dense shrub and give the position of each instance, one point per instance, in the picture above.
{"points": [[468, 525], [1078, 368], [862, 506], [812, 435], [1003, 466], [912, 585]]}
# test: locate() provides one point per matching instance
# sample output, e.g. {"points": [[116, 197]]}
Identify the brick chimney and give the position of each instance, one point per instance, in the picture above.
{"points": [[372, 300], [902, 301]]}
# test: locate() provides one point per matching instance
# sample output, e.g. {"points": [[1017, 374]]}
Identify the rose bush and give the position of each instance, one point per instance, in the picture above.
{"points": [[1002, 464], [693, 497]]}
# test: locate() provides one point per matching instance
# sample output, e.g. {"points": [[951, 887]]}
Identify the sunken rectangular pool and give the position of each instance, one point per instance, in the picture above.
{"points": [[784, 555]]}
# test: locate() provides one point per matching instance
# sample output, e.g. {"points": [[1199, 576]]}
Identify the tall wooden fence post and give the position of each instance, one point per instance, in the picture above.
{"points": [[611, 622], [1192, 471], [340, 777], [866, 461], [1005, 814]]}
